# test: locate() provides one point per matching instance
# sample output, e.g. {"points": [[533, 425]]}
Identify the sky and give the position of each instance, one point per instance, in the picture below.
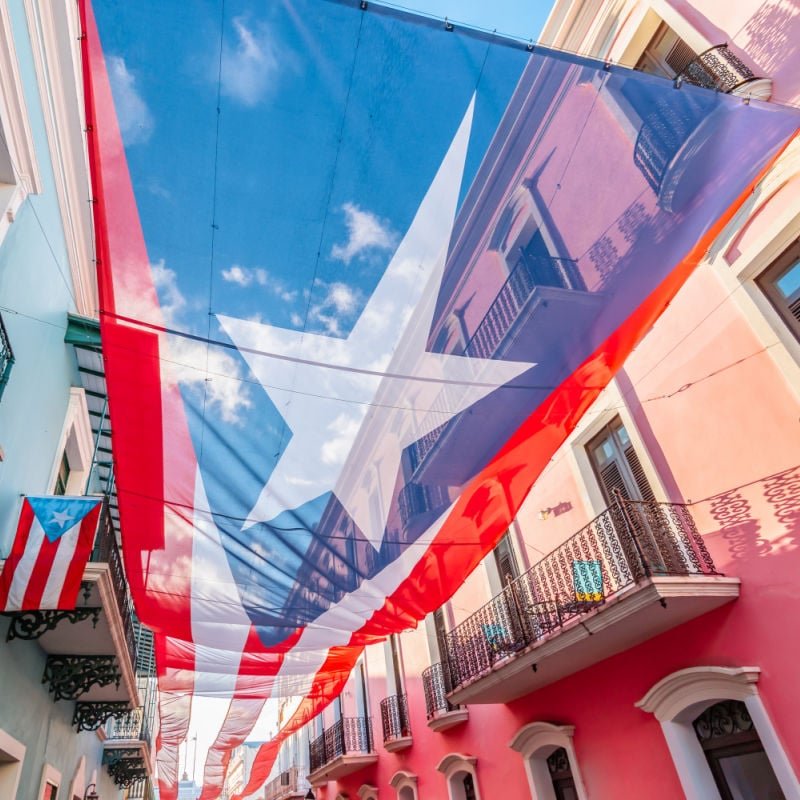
{"points": [[522, 18]]}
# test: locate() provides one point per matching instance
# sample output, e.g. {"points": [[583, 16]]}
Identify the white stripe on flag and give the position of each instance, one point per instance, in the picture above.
{"points": [[24, 570], [58, 572]]}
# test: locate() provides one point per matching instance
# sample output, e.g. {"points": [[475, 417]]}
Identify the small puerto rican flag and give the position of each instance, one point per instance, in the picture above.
{"points": [[53, 543]]}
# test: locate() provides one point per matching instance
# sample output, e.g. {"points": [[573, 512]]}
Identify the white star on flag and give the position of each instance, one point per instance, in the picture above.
{"points": [[382, 367], [61, 518]]}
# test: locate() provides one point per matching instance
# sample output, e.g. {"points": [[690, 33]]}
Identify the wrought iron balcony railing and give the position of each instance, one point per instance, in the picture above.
{"points": [[348, 736], [436, 684], [717, 68], [394, 717], [133, 725], [629, 542], [106, 551], [6, 357], [283, 785]]}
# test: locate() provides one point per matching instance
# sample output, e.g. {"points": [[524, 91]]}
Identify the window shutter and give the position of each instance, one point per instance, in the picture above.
{"points": [[642, 483], [611, 478], [680, 55]]}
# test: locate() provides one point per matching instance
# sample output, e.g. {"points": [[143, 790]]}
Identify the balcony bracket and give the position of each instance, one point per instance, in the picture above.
{"points": [[90, 716], [125, 766], [73, 675], [30, 625]]}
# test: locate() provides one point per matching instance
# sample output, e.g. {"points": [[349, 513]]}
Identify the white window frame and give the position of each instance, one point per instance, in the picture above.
{"points": [[77, 442], [402, 780], [14, 751], [536, 742], [679, 698], [49, 775], [454, 765]]}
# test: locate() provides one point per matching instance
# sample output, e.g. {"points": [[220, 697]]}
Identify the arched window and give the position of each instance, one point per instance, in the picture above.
{"points": [[462, 780], [368, 792], [405, 784], [719, 734], [550, 762]]}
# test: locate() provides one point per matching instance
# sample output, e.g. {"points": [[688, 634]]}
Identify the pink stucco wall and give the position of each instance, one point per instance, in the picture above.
{"points": [[719, 421]]}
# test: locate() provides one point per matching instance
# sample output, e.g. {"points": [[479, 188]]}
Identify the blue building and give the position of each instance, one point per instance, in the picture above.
{"points": [[77, 688]]}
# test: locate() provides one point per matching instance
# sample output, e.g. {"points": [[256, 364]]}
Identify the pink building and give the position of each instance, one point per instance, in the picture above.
{"points": [[633, 634]]}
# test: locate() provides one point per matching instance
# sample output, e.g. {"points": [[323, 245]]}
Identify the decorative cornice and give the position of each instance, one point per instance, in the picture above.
{"points": [[453, 760], [686, 687], [402, 778], [535, 735]]}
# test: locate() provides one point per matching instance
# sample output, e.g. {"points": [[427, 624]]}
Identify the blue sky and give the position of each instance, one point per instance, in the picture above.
{"points": [[523, 18]]}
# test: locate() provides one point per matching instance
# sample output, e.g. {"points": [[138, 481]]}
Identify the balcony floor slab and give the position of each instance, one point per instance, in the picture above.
{"points": [[444, 720], [397, 744], [341, 766], [627, 619]]}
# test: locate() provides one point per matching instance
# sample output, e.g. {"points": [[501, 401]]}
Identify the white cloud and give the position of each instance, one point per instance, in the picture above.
{"points": [[244, 276], [296, 320], [339, 303], [135, 120], [249, 65], [365, 233], [195, 364]]}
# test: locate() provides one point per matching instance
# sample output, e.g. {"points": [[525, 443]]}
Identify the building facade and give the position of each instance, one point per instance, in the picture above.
{"points": [[77, 688], [632, 633]]}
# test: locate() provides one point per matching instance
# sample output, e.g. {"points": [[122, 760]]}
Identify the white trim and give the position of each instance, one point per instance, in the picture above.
{"points": [[55, 41], [682, 696], [11, 768], [535, 742], [77, 441], [404, 780], [49, 775], [453, 765], [14, 112], [368, 792], [78, 786]]}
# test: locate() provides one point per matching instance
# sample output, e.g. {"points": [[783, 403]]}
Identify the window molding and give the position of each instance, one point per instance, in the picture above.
{"points": [[677, 699], [14, 757], [55, 42], [367, 792], [404, 780], [78, 785], [455, 764], [535, 742], [77, 441], [49, 775]]}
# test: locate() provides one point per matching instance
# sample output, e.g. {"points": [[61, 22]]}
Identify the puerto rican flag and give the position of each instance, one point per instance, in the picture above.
{"points": [[359, 279], [50, 551]]}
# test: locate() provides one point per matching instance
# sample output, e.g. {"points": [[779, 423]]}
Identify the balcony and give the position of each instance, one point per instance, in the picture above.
{"points": [[441, 713], [637, 570], [395, 724], [718, 68], [127, 747], [285, 786], [6, 357], [344, 748], [91, 650]]}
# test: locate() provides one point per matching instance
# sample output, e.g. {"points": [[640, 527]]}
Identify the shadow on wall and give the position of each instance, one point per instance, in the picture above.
{"points": [[743, 512], [772, 39]]}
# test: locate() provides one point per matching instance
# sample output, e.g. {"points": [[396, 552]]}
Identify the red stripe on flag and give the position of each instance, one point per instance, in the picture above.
{"points": [[40, 573], [26, 518], [68, 597]]}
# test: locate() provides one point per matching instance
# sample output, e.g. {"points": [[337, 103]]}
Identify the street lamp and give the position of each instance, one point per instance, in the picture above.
{"points": [[91, 792]]}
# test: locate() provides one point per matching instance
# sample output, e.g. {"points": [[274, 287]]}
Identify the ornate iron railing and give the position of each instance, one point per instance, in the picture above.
{"points": [[106, 551], [133, 725], [436, 684], [531, 271], [349, 735], [282, 785], [6, 357], [717, 68], [394, 717], [628, 542]]}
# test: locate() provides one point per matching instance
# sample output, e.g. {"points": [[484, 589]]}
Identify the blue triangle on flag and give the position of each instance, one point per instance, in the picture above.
{"points": [[57, 515]]}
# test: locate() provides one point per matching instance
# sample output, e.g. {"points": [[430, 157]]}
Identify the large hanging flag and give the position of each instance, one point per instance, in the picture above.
{"points": [[51, 548], [361, 274]]}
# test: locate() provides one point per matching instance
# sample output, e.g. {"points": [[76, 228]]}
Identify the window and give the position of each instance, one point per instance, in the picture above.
{"points": [[50, 791], [396, 675], [506, 562], [12, 754], [781, 284], [62, 476], [617, 466], [561, 775], [666, 54], [740, 767]]}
